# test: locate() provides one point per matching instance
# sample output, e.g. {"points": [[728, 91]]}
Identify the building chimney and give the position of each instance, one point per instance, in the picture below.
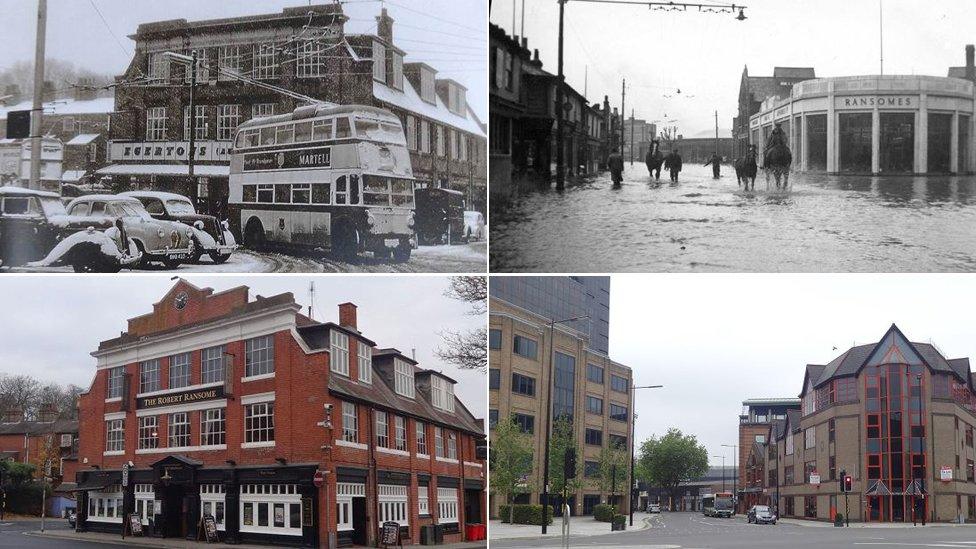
{"points": [[525, 43], [347, 315], [47, 413], [13, 415], [384, 27], [970, 68], [535, 55]]}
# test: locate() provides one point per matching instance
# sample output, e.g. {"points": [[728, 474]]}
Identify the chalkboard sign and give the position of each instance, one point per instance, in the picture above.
{"points": [[135, 524], [210, 528], [391, 533]]}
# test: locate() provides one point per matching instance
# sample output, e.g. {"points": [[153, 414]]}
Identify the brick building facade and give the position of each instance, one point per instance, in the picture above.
{"points": [[236, 408], [758, 414], [304, 50], [48, 443]]}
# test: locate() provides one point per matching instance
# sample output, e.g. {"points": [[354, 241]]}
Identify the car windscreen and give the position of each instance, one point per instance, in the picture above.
{"points": [[180, 207], [762, 509], [119, 209], [52, 206]]}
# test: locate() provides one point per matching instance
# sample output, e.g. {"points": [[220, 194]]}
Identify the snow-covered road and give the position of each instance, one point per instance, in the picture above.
{"points": [[467, 258]]}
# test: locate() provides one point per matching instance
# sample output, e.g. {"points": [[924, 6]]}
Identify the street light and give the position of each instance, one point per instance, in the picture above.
{"points": [[548, 431], [191, 62], [735, 493], [633, 448], [723, 470]]}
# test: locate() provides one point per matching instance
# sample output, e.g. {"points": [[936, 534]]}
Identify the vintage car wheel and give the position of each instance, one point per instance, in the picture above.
{"points": [[218, 258], [401, 254]]}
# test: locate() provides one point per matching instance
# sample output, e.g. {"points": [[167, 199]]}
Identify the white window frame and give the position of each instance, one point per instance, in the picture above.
{"points": [[438, 442], [259, 435], [404, 378], [212, 365], [260, 110], [67, 437], [158, 68], [309, 59], [147, 426], [428, 92], [411, 132], [203, 68], [365, 361], [462, 147], [423, 501], [339, 352], [213, 423], [350, 422], [202, 129], [265, 61], [442, 393], [115, 435], [379, 61], [392, 502], [447, 505], [382, 429], [178, 430], [424, 136], [400, 433], [102, 505], [182, 379], [451, 445], [214, 495], [420, 432], [345, 492], [259, 356], [441, 149], [145, 502], [149, 368], [156, 124], [397, 71], [270, 496], [228, 118], [229, 57]]}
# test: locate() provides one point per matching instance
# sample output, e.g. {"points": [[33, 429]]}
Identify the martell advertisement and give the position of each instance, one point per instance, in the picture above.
{"points": [[292, 159]]}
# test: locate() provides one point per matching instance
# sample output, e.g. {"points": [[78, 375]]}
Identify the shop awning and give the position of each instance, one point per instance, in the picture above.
{"points": [[878, 488], [165, 169], [98, 483], [914, 489]]}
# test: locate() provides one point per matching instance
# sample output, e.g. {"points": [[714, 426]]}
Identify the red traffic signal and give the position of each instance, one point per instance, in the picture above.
{"points": [[848, 483]]}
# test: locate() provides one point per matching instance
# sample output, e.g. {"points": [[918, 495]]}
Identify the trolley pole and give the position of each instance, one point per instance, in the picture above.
{"points": [[560, 160], [37, 109]]}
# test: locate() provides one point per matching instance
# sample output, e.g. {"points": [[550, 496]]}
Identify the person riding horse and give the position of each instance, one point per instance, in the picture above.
{"points": [[777, 156], [654, 159]]}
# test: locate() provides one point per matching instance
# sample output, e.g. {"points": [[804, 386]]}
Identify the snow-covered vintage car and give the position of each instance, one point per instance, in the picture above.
{"points": [[210, 236], [166, 242], [34, 227], [474, 225]]}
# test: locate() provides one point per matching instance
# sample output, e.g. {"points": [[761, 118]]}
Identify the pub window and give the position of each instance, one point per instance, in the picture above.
{"points": [[228, 118], [423, 501], [272, 509], [265, 193], [364, 361], [447, 505], [212, 502], [382, 430], [421, 438], [228, 57], [438, 442], [213, 427], [148, 432], [115, 435], [265, 66], [156, 124], [393, 505], [179, 429], [339, 352], [259, 356], [259, 422], [149, 376], [201, 127], [350, 425], [403, 378], [400, 432], [179, 370], [212, 364], [310, 59], [114, 380]]}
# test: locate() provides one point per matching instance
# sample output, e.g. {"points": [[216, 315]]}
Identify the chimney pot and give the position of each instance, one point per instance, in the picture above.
{"points": [[347, 315], [970, 68], [525, 43], [535, 54]]}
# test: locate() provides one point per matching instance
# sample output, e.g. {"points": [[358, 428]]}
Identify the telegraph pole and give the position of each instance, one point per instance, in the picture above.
{"points": [[193, 125], [37, 110], [560, 169]]}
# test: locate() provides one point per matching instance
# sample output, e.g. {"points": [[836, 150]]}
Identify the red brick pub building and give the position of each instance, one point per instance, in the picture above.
{"points": [[286, 430]]}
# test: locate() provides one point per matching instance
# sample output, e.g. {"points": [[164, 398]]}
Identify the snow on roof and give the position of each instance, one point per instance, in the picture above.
{"points": [[67, 105], [83, 139], [72, 175], [14, 190], [156, 194], [107, 197], [164, 169], [409, 100]]}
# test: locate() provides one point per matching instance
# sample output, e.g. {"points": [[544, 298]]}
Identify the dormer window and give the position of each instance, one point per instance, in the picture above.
{"points": [[442, 393], [379, 62], [398, 71], [456, 99], [403, 378], [365, 361], [339, 350], [427, 92]]}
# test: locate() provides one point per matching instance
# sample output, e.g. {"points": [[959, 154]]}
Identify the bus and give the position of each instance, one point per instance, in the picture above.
{"points": [[719, 504], [324, 178]]}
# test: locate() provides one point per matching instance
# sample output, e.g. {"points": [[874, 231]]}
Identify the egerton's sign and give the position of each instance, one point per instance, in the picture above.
{"points": [[174, 399], [876, 100]]}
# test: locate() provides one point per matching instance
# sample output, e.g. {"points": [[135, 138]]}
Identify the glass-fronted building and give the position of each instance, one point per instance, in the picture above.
{"points": [[883, 125]]}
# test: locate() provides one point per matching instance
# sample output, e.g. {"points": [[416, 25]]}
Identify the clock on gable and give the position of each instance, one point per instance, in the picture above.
{"points": [[181, 300]]}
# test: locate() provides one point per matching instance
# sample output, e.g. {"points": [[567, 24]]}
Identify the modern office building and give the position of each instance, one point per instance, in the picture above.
{"points": [[526, 358], [285, 430], [758, 414], [895, 415]]}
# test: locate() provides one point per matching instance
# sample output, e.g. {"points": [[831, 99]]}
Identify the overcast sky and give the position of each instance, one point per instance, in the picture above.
{"points": [[49, 325], [449, 35], [703, 54], [716, 340]]}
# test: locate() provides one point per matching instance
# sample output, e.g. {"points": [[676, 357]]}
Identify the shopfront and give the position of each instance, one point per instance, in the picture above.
{"points": [[874, 125]]}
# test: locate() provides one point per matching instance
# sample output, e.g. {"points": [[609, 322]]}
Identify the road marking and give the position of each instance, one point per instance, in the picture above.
{"points": [[901, 544]]}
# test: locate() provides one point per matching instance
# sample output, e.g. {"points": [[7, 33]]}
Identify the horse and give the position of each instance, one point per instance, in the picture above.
{"points": [[654, 159], [745, 170], [777, 159]]}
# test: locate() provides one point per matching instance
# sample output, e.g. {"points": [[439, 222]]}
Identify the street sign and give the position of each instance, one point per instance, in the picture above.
{"points": [[945, 474], [319, 479], [815, 478], [125, 474]]}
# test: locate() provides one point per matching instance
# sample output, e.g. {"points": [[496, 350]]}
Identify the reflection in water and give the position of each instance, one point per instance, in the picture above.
{"points": [[826, 223]]}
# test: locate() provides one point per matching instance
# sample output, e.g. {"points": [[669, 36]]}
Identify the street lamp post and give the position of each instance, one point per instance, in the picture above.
{"points": [[735, 493], [633, 479], [190, 61], [544, 500]]}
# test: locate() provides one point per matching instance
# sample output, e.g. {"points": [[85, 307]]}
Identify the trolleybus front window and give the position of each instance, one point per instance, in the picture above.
{"points": [[342, 128], [285, 134], [321, 130], [268, 136], [376, 190], [303, 132], [340, 190], [381, 132]]}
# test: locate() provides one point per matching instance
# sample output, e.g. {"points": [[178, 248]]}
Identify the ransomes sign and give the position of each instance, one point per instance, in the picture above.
{"points": [[186, 397]]}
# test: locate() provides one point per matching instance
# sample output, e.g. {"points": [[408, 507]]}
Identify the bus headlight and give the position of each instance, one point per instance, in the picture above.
{"points": [[189, 232], [198, 224]]}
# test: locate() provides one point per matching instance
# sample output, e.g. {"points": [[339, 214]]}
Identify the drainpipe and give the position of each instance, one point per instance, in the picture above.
{"points": [[373, 472], [462, 513]]}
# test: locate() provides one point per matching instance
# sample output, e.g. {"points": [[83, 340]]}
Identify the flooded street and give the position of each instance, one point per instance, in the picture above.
{"points": [[824, 223]]}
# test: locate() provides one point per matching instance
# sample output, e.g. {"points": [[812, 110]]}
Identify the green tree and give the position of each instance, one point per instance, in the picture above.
{"points": [[511, 462], [670, 460], [613, 474], [562, 439]]}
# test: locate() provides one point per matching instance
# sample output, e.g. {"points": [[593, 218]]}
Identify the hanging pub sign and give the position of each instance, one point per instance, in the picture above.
{"points": [[391, 534], [313, 157], [184, 397]]}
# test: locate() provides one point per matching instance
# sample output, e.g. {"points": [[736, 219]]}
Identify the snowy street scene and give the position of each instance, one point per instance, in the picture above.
{"points": [[271, 136]]}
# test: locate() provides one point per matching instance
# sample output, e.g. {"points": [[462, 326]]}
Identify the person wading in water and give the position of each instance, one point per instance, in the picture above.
{"points": [[672, 163], [616, 165], [716, 162]]}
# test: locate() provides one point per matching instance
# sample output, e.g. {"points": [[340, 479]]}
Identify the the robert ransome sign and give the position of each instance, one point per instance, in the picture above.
{"points": [[175, 399], [881, 101]]}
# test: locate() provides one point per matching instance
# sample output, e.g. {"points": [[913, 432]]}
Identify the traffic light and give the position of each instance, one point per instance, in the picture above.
{"points": [[840, 480], [18, 124], [569, 464], [848, 483]]}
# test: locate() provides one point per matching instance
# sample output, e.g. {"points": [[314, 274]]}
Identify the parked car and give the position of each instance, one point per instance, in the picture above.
{"points": [[761, 514], [474, 225], [210, 236], [158, 240], [654, 508], [36, 229]]}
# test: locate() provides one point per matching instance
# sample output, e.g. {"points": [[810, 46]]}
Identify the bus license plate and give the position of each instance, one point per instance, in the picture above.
{"points": [[391, 242]]}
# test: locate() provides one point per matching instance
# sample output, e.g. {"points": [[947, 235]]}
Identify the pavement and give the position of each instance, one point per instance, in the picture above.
{"points": [[578, 527], [694, 531]]}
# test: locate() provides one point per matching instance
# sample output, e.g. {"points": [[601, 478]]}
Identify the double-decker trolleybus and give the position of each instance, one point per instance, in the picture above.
{"points": [[720, 504], [324, 177]]}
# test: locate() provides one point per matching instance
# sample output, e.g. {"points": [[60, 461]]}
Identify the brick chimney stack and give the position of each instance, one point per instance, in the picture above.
{"points": [[384, 27], [13, 415], [47, 413], [347, 315], [970, 68]]}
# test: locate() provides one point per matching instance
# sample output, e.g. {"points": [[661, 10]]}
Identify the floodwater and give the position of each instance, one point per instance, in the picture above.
{"points": [[823, 224]]}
